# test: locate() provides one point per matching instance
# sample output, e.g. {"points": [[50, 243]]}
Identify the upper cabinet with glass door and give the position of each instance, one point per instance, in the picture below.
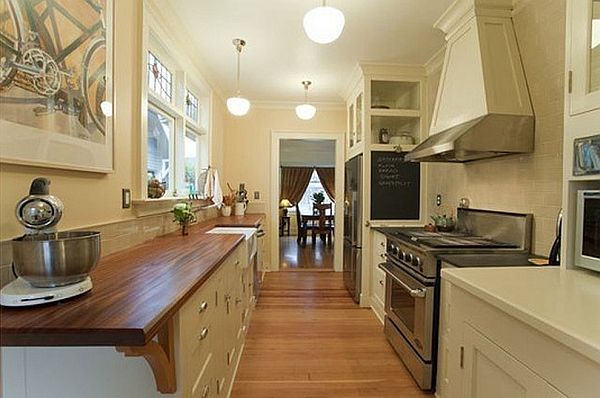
{"points": [[584, 72]]}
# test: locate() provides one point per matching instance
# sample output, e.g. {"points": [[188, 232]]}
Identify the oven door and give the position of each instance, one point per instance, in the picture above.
{"points": [[409, 304]]}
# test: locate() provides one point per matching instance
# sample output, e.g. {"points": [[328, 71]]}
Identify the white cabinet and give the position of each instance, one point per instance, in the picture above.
{"points": [[486, 352], [584, 55], [378, 242], [491, 372]]}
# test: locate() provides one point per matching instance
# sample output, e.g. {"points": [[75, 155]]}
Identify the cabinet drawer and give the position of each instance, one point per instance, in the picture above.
{"points": [[204, 383], [201, 306], [379, 284]]}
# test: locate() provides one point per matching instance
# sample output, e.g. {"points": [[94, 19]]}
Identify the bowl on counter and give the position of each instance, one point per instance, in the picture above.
{"points": [[55, 259]]}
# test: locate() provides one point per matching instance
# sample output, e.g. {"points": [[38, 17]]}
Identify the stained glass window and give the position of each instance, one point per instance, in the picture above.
{"points": [[160, 79], [191, 105]]}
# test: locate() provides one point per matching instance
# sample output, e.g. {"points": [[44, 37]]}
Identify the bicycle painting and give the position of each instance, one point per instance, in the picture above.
{"points": [[54, 74]]}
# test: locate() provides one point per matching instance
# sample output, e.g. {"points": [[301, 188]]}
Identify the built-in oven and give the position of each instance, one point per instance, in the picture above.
{"points": [[409, 326], [587, 244]]}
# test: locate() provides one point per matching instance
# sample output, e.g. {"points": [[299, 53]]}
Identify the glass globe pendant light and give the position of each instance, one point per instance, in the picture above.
{"points": [[238, 105], [306, 111], [324, 24]]}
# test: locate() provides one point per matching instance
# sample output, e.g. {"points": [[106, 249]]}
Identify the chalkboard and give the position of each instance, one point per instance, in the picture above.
{"points": [[395, 187]]}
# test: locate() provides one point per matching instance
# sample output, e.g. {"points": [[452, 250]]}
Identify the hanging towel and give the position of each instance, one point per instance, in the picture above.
{"points": [[212, 189]]}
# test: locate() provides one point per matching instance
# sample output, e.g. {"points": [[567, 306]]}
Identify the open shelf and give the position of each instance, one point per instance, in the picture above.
{"points": [[395, 95], [396, 112], [392, 148], [396, 126]]}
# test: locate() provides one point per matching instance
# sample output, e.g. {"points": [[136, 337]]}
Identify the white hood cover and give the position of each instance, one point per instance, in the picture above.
{"points": [[482, 107]]}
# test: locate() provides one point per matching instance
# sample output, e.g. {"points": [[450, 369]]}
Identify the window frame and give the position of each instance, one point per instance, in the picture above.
{"points": [[172, 142], [184, 78]]}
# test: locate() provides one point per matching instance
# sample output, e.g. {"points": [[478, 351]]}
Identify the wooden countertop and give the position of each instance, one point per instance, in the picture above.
{"points": [[135, 292], [249, 220]]}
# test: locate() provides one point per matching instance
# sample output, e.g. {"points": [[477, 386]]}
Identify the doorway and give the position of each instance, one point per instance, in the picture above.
{"points": [[308, 176]]}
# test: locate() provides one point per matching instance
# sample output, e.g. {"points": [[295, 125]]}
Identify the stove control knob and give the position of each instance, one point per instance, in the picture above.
{"points": [[409, 258], [417, 261], [402, 255], [395, 250]]}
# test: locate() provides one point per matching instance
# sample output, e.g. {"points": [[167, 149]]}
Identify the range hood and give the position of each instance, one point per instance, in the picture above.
{"points": [[482, 109]]}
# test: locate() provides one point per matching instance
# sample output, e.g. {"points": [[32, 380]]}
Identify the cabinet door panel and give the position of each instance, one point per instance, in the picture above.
{"points": [[491, 372], [585, 55]]}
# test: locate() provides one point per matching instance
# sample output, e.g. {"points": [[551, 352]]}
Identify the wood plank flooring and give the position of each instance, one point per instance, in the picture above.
{"points": [[308, 339], [293, 257]]}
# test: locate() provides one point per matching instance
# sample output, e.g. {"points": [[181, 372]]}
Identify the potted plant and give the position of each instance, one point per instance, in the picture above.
{"points": [[184, 215], [318, 197]]}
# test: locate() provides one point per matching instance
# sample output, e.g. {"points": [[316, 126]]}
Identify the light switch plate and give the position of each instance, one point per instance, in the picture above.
{"points": [[256, 195], [438, 199], [126, 198]]}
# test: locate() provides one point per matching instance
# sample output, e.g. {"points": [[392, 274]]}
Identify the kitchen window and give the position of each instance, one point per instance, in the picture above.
{"points": [[160, 147], [160, 79], [176, 134], [191, 160], [191, 106]]}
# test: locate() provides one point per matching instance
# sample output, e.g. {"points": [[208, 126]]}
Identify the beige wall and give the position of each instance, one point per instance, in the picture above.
{"points": [[247, 149], [91, 198], [528, 183]]}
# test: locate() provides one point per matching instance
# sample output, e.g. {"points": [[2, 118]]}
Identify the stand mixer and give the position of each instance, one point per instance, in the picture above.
{"points": [[49, 265]]}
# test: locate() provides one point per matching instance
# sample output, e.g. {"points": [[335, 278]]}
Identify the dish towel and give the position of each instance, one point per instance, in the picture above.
{"points": [[212, 189]]}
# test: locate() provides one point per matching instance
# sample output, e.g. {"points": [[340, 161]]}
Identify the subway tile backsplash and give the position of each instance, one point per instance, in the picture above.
{"points": [[115, 236]]}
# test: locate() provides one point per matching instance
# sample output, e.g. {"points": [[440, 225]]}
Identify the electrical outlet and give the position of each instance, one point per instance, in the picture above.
{"points": [[126, 198], [256, 195], [438, 199]]}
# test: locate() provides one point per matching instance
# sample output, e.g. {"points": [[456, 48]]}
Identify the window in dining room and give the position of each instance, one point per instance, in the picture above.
{"points": [[306, 203]]}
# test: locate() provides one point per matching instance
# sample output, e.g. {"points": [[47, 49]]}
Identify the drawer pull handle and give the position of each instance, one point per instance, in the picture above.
{"points": [[382, 244], [381, 282], [203, 307], [238, 300], [237, 262], [205, 391], [203, 334], [382, 256]]}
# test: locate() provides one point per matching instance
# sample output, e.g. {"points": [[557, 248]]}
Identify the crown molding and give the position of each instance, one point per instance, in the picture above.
{"points": [[436, 62]]}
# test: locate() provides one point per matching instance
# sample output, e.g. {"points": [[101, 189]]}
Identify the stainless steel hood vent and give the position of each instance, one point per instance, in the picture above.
{"points": [[482, 109]]}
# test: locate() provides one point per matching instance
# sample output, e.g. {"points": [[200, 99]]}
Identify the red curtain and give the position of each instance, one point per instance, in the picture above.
{"points": [[327, 177]]}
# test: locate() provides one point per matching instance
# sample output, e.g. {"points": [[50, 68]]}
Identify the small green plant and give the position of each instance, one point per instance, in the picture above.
{"points": [[318, 197], [183, 214]]}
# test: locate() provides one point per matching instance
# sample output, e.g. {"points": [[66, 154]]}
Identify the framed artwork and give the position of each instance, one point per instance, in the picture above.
{"points": [[56, 83]]}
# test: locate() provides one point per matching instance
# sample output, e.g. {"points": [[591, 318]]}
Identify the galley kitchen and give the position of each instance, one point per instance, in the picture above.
{"points": [[311, 198]]}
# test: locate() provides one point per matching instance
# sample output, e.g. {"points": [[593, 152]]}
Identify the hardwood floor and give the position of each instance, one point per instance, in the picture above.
{"points": [[308, 339], [294, 257]]}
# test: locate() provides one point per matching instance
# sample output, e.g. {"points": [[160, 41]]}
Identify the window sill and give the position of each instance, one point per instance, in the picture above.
{"points": [[147, 207]]}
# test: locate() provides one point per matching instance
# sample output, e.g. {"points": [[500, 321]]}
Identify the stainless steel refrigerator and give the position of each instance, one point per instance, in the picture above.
{"points": [[353, 226]]}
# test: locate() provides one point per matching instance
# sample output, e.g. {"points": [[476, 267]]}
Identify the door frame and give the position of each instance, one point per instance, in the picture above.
{"points": [[276, 137]]}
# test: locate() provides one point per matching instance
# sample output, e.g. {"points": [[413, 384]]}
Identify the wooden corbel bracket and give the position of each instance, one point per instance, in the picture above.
{"points": [[160, 356]]}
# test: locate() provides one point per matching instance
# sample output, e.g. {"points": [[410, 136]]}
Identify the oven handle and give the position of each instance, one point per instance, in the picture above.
{"points": [[418, 293]]}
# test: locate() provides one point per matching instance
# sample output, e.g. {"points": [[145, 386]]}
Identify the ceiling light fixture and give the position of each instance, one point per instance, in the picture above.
{"points": [[324, 24], [306, 111], [238, 105]]}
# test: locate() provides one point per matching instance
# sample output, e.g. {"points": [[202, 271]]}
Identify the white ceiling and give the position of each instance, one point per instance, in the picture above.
{"points": [[279, 56]]}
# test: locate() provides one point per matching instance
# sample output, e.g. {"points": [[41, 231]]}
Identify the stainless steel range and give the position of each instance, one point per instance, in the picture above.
{"points": [[412, 270]]}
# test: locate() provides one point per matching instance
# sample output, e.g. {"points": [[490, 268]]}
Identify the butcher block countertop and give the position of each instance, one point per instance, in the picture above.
{"points": [[135, 292]]}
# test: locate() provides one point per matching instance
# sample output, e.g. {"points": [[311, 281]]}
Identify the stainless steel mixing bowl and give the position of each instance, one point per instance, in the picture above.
{"points": [[56, 259]]}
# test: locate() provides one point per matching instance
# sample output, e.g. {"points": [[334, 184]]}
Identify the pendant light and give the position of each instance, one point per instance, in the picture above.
{"points": [[238, 105], [324, 24], [306, 111]]}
